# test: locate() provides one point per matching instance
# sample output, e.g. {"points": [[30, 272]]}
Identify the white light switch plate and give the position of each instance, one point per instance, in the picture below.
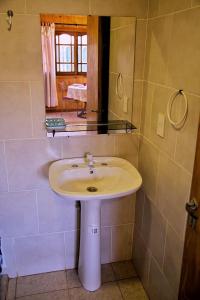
{"points": [[125, 104], [161, 125]]}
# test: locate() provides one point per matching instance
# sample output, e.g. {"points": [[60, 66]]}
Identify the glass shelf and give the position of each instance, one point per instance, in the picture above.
{"points": [[92, 128]]}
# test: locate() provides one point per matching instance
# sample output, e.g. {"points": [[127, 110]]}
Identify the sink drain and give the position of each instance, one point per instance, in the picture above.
{"points": [[92, 189]]}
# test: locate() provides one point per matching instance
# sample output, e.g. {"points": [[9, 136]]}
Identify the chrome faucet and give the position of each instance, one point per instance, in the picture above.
{"points": [[90, 161]]}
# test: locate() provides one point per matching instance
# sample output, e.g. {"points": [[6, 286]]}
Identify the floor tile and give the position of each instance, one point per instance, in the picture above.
{"points": [[57, 295], [79, 294], [123, 270], [107, 273], [132, 289], [41, 283], [3, 286], [73, 279], [108, 291], [11, 289]]}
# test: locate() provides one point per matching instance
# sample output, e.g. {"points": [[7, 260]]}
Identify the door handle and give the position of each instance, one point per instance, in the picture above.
{"points": [[191, 207]]}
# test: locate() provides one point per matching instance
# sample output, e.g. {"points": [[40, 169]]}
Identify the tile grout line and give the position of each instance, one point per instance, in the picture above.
{"points": [[25, 6], [165, 242], [42, 293], [65, 250], [170, 87], [167, 155], [174, 12]]}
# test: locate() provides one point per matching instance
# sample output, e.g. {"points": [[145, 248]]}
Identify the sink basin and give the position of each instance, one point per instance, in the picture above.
{"points": [[112, 177], [109, 178]]}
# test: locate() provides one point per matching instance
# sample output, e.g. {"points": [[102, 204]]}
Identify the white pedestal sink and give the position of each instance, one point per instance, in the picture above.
{"points": [[112, 177]]}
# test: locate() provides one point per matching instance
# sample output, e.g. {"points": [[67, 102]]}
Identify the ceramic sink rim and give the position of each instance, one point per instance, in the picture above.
{"points": [[128, 187]]}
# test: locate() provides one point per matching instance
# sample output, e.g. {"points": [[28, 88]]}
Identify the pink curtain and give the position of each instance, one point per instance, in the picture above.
{"points": [[49, 71]]}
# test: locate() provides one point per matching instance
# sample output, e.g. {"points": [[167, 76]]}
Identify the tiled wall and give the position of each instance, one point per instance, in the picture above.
{"points": [[39, 229], [122, 54], [172, 62]]}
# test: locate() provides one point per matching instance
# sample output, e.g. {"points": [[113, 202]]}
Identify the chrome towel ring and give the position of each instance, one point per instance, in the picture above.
{"points": [[177, 124]]}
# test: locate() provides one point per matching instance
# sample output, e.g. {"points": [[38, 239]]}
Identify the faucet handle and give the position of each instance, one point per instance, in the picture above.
{"points": [[88, 156]]}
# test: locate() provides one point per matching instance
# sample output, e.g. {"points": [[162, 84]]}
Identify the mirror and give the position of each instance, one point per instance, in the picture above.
{"points": [[88, 67]]}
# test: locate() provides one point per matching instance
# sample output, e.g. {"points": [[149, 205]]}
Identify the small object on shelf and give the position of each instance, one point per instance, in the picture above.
{"points": [[55, 124]]}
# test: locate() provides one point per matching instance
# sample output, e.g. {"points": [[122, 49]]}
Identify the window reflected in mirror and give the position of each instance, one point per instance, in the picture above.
{"points": [[88, 66]]}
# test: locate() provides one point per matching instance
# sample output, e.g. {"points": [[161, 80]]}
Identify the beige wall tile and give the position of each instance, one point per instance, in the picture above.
{"points": [[147, 99], [9, 256], [122, 242], [3, 176], [160, 100], [72, 239], [116, 7], [115, 107], [58, 7], [117, 22], [187, 136], [99, 145], [172, 193], [184, 51], [28, 162], [61, 214], [162, 7], [153, 8], [172, 6], [195, 2], [122, 48], [173, 259], [105, 245], [148, 166], [122, 61], [154, 231], [127, 147], [18, 214], [118, 211], [15, 113], [139, 209], [141, 258], [38, 108], [141, 31], [38, 254], [159, 287], [157, 49], [137, 104], [18, 6], [20, 57]]}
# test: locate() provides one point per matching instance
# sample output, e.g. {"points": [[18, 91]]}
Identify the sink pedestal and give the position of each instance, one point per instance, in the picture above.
{"points": [[89, 268], [112, 178]]}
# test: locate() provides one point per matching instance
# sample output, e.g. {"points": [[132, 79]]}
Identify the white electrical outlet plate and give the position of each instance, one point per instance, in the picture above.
{"points": [[125, 104], [161, 125]]}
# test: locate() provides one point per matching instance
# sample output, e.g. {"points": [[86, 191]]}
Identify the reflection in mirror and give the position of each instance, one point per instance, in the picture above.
{"points": [[88, 66], [121, 68]]}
